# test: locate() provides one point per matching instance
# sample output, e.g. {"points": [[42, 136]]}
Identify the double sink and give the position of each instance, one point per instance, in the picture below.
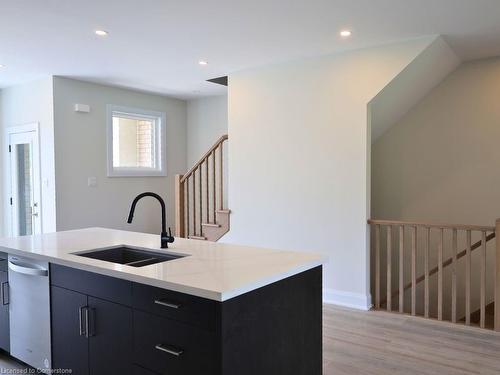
{"points": [[129, 256]]}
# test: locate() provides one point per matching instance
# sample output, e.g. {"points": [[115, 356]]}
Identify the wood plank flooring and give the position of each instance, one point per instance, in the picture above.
{"points": [[376, 342]]}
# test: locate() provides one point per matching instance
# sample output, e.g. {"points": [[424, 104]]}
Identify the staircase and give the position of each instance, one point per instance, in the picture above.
{"points": [[200, 209], [442, 282], [489, 317]]}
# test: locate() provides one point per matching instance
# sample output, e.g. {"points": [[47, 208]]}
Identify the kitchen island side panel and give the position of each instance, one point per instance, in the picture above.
{"points": [[274, 330]]}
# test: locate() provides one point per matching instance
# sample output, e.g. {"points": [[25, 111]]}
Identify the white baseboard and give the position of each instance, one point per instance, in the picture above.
{"points": [[347, 299]]}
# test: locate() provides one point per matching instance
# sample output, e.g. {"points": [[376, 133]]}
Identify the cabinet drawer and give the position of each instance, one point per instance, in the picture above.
{"points": [[93, 284], [169, 347], [192, 310]]}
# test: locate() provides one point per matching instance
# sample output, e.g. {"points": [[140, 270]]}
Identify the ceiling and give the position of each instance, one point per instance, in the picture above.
{"points": [[155, 45]]}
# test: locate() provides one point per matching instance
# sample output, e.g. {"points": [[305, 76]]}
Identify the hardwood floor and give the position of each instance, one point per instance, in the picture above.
{"points": [[375, 342]]}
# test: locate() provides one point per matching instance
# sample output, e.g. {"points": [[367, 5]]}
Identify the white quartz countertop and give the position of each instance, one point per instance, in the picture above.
{"points": [[210, 270]]}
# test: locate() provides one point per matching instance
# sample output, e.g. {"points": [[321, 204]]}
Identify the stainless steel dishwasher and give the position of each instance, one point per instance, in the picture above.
{"points": [[30, 311]]}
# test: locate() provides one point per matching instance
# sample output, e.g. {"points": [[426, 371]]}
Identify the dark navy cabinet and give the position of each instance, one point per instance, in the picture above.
{"points": [[70, 347], [90, 335], [105, 326], [110, 338], [4, 304], [172, 347]]}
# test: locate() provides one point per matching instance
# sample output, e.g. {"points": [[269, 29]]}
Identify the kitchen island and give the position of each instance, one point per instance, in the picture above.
{"points": [[215, 309]]}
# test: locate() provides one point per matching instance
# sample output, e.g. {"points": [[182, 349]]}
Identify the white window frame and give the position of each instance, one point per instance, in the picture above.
{"points": [[160, 140]]}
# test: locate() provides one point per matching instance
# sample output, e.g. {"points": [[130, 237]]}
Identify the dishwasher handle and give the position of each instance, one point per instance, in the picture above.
{"points": [[27, 270]]}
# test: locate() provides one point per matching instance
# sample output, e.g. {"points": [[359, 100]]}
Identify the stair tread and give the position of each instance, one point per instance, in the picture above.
{"points": [[211, 225], [489, 317], [223, 211]]}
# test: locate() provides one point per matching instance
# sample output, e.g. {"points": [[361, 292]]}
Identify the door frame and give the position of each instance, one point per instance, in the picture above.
{"points": [[30, 127]]}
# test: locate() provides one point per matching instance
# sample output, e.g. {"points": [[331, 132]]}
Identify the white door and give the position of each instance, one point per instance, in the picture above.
{"points": [[25, 182]]}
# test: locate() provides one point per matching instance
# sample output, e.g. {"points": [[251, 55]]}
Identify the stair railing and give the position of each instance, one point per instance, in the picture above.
{"points": [[386, 233], [199, 193]]}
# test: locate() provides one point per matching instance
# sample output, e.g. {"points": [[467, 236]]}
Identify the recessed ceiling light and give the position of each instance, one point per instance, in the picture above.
{"points": [[2, 66], [345, 33], [101, 32], [203, 63]]}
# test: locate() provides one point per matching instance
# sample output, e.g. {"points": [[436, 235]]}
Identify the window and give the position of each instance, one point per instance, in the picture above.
{"points": [[136, 142]]}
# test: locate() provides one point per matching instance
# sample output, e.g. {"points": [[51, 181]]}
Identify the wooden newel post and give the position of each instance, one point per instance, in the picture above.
{"points": [[179, 206], [497, 276]]}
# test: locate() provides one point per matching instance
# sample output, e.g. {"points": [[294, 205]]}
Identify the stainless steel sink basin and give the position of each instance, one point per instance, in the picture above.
{"points": [[129, 256]]}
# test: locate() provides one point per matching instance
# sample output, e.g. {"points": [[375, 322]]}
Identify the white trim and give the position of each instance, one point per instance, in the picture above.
{"points": [[32, 127], [160, 142], [347, 299]]}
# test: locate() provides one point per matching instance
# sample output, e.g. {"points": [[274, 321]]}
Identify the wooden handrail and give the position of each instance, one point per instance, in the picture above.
{"points": [[446, 263], [204, 157], [433, 225]]}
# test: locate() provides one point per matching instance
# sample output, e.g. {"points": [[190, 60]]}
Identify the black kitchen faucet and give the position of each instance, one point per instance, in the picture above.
{"points": [[166, 238]]}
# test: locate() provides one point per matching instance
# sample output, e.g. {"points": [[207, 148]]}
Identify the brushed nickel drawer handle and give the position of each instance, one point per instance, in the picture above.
{"points": [[81, 320], [169, 350], [167, 304]]}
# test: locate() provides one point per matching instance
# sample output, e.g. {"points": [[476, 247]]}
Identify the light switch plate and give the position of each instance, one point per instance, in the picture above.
{"points": [[92, 181]]}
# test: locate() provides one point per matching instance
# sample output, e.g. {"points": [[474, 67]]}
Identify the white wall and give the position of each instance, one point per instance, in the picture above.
{"points": [[2, 174], [206, 122], [25, 104], [411, 85], [440, 161], [299, 156], [81, 153]]}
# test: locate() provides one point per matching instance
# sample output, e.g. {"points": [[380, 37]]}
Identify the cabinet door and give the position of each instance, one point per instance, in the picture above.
{"points": [[110, 342], [4, 312], [69, 345]]}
